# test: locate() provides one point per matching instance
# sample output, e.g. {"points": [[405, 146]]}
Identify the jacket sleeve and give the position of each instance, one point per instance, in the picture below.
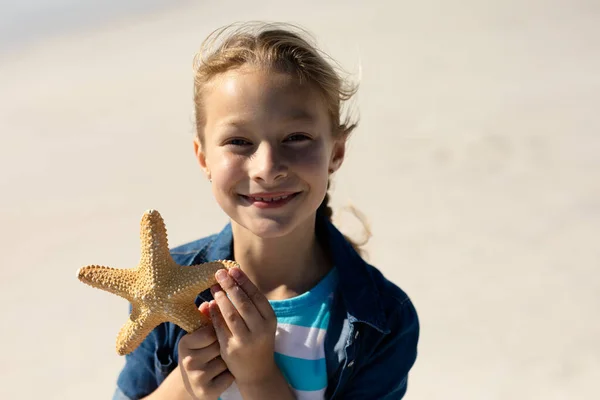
{"points": [[384, 376]]}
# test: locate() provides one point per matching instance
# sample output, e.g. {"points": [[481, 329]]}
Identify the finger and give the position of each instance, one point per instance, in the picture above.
{"points": [[195, 360], [221, 329], [260, 301], [240, 300], [200, 338], [204, 309], [213, 368], [208, 377], [230, 315], [222, 381]]}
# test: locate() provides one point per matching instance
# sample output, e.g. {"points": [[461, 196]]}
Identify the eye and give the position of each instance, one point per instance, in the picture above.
{"points": [[297, 137], [237, 142]]}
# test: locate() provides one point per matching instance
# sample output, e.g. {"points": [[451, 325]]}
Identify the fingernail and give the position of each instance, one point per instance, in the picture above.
{"points": [[236, 273], [221, 274]]}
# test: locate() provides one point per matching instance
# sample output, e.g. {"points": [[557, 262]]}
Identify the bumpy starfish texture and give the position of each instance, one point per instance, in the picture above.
{"points": [[158, 289]]}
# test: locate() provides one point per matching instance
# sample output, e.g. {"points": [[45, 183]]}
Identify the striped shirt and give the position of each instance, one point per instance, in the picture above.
{"points": [[299, 340]]}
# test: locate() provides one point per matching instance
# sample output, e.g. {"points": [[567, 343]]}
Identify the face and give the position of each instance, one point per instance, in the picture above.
{"points": [[268, 149]]}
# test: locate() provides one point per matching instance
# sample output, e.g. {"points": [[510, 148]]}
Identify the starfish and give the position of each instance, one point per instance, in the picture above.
{"points": [[159, 289]]}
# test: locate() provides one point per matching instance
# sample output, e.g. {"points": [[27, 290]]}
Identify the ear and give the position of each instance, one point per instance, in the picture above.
{"points": [[201, 156], [337, 153]]}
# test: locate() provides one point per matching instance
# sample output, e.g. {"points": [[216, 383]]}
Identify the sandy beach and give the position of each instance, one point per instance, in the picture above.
{"points": [[476, 163]]}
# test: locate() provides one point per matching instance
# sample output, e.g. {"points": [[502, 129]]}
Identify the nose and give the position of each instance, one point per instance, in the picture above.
{"points": [[268, 164]]}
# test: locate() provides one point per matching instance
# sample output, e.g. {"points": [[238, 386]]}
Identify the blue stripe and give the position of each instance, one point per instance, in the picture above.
{"points": [[318, 319], [303, 374], [317, 295]]}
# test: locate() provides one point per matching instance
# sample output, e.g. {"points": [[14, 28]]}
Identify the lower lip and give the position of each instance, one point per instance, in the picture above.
{"points": [[271, 204]]}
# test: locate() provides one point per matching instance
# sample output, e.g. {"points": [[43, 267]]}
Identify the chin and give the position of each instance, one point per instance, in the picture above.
{"points": [[270, 227]]}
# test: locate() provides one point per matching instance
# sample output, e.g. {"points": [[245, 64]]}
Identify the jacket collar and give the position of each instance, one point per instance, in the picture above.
{"points": [[358, 290]]}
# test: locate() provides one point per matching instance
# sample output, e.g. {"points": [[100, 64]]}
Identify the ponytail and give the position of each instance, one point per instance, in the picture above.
{"points": [[326, 211]]}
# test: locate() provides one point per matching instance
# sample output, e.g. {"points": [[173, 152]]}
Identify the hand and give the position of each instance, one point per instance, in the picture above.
{"points": [[245, 325], [205, 374]]}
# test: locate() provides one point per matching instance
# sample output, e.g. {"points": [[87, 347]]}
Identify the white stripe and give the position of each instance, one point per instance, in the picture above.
{"points": [[300, 341], [312, 395], [233, 393]]}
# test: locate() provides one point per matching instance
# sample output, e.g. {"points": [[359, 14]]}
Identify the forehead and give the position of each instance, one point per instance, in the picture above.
{"points": [[259, 94]]}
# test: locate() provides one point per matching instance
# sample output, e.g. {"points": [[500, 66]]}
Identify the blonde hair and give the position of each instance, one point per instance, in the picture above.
{"points": [[283, 48]]}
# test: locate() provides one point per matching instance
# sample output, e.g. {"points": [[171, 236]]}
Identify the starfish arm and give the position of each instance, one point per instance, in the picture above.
{"points": [[116, 281], [192, 280], [140, 323], [153, 236], [188, 317]]}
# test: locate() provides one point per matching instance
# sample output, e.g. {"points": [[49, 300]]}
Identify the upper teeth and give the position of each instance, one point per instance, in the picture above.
{"points": [[271, 199]]}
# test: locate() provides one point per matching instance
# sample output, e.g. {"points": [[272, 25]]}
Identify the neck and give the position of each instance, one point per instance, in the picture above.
{"points": [[281, 267]]}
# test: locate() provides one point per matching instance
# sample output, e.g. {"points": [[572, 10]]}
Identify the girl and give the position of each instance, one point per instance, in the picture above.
{"points": [[307, 318]]}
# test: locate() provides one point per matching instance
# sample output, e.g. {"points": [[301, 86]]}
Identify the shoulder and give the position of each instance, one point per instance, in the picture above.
{"points": [[398, 307], [389, 293], [368, 295], [194, 252]]}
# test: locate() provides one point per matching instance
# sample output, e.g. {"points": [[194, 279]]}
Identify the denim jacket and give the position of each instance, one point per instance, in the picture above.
{"points": [[371, 340]]}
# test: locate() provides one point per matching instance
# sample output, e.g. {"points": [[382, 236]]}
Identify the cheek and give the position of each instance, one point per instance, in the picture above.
{"points": [[311, 160], [225, 167]]}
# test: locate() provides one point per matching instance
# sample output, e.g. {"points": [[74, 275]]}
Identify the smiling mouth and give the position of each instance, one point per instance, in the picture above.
{"points": [[271, 198]]}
